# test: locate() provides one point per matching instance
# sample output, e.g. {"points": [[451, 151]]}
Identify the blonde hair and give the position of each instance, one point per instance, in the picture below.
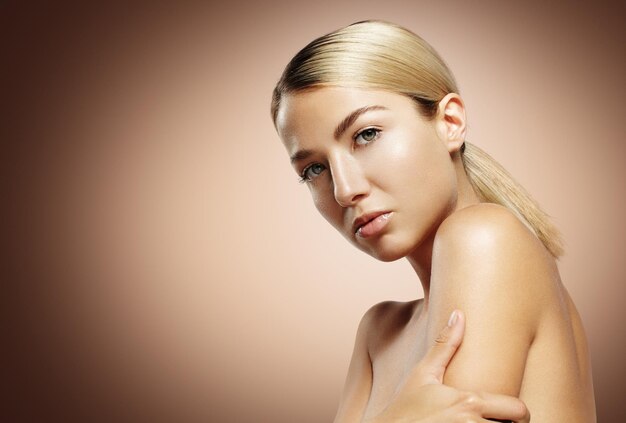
{"points": [[382, 55]]}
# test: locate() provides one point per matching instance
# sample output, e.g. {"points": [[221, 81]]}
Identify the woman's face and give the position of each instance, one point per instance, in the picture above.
{"points": [[379, 172]]}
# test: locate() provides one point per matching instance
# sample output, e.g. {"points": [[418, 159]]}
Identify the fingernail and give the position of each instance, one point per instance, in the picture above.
{"points": [[452, 319]]}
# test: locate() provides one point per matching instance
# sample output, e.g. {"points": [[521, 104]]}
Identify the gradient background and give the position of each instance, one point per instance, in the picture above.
{"points": [[164, 265]]}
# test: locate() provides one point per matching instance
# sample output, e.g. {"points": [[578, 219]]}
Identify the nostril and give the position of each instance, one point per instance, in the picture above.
{"points": [[358, 197]]}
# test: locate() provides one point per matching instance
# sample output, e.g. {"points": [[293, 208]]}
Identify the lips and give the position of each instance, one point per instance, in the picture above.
{"points": [[369, 223]]}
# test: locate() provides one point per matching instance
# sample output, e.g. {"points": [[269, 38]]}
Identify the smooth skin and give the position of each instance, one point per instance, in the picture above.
{"points": [[363, 151], [424, 399]]}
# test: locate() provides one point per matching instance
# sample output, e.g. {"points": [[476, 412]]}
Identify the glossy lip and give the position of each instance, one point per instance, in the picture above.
{"points": [[365, 218]]}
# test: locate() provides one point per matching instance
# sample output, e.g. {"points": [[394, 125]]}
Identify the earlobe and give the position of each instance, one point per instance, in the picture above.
{"points": [[451, 121]]}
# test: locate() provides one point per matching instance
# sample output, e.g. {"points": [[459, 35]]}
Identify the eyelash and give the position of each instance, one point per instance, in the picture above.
{"points": [[303, 178], [361, 132]]}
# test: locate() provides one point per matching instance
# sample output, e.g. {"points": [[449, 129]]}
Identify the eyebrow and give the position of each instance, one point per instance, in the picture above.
{"points": [[300, 155], [341, 128], [352, 117]]}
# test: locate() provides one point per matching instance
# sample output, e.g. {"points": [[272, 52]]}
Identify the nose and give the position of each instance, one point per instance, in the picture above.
{"points": [[349, 180]]}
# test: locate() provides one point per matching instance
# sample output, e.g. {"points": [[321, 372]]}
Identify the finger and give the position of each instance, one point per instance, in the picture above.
{"points": [[502, 408], [433, 366]]}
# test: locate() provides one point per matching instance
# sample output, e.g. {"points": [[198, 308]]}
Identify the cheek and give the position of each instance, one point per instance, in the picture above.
{"points": [[406, 161], [420, 169], [327, 207]]}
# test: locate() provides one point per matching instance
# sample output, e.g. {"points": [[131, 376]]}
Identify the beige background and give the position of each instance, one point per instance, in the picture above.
{"points": [[165, 265]]}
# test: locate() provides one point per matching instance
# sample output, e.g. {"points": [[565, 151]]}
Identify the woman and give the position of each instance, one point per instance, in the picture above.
{"points": [[374, 125]]}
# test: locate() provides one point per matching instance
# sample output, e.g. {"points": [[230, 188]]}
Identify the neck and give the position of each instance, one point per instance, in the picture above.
{"points": [[421, 257]]}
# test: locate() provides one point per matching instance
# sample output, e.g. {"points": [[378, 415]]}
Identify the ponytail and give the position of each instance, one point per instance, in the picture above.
{"points": [[493, 184]]}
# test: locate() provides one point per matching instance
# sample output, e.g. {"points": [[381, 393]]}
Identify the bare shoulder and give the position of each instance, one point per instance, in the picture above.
{"points": [[373, 330], [384, 320], [485, 222], [489, 237], [388, 314], [486, 258]]}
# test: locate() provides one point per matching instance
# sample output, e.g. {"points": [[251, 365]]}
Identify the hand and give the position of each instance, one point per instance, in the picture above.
{"points": [[424, 399]]}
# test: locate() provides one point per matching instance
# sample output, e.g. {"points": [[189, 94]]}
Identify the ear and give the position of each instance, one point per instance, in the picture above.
{"points": [[451, 122]]}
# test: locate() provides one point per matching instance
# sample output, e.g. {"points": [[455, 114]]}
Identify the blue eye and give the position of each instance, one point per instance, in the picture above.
{"points": [[366, 136], [311, 172]]}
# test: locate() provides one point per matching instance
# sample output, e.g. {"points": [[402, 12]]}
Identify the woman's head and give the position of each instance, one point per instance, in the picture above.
{"points": [[369, 116], [372, 55]]}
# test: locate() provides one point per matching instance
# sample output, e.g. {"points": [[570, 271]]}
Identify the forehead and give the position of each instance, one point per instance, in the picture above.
{"points": [[317, 112]]}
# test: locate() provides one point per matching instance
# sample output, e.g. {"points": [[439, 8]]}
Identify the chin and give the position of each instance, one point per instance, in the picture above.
{"points": [[386, 250], [387, 258]]}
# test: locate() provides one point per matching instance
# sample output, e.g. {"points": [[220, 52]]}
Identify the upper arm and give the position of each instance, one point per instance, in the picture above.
{"points": [[358, 382], [488, 264]]}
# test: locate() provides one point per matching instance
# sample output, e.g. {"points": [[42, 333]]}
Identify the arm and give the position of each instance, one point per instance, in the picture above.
{"points": [[486, 262], [423, 399]]}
